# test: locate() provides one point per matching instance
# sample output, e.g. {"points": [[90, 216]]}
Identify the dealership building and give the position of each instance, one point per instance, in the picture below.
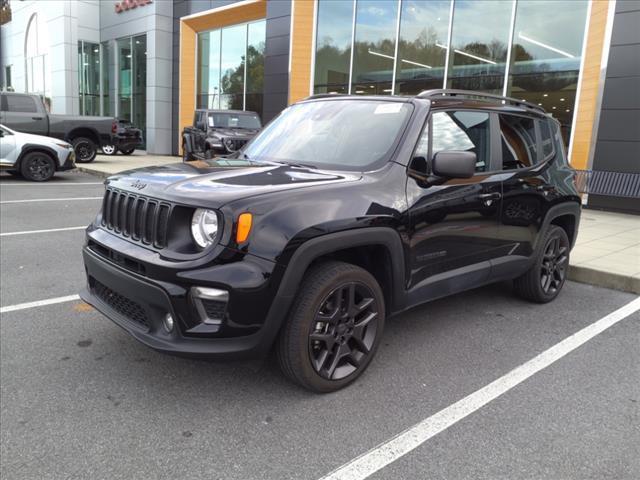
{"points": [[154, 61]]}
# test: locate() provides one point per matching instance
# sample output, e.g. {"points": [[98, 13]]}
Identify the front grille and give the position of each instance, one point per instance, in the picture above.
{"points": [[215, 309], [234, 144], [140, 218], [121, 304]]}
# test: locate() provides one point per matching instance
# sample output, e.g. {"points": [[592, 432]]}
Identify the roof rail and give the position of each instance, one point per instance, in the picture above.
{"points": [[446, 92]]}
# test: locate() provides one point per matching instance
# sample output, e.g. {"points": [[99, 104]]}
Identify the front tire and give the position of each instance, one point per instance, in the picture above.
{"points": [[544, 280], [334, 327], [128, 151], [109, 149], [37, 167], [186, 156], [86, 150]]}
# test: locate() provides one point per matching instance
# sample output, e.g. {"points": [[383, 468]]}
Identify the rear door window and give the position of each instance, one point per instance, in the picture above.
{"points": [[18, 103], [546, 138], [518, 140]]}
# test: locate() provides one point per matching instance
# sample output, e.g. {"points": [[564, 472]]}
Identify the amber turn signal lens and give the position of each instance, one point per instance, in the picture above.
{"points": [[244, 227]]}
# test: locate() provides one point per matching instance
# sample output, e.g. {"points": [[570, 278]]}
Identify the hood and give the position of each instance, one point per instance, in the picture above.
{"points": [[40, 140], [218, 181]]}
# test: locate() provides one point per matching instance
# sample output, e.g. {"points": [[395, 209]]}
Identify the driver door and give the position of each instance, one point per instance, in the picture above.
{"points": [[454, 223]]}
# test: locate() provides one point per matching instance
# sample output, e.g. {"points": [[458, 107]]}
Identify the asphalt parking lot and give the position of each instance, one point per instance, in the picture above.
{"points": [[81, 399]]}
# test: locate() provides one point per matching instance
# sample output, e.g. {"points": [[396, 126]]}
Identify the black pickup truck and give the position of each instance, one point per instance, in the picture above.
{"points": [[218, 132], [26, 113]]}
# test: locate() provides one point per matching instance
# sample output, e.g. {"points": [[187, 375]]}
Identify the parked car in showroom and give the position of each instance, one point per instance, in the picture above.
{"points": [[127, 139], [35, 157], [218, 132], [342, 212], [26, 113]]}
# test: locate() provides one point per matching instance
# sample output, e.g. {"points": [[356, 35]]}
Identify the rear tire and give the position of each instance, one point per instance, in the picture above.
{"points": [[37, 167], [85, 149], [544, 280], [128, 151], [334, 327]]}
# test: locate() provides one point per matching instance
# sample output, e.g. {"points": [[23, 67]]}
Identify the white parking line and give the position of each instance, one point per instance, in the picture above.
{"points": [[40, 184], [393, 449], [49, 230], [31, 200], [39, 303]]}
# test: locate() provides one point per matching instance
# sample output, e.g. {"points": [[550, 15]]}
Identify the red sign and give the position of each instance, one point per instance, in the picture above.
{"points": [[131, 4]]}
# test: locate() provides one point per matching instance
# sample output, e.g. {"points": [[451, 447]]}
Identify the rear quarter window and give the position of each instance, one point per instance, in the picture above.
{"points": [[18, 103], [518, 140], [546, 138]]}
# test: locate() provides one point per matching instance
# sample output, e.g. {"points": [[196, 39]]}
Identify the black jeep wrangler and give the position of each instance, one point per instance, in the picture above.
{"points": [[218, 132], [342, 212]]}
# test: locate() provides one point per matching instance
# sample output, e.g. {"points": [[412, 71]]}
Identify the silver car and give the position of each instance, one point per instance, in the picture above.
{"points": [[34, 157]]}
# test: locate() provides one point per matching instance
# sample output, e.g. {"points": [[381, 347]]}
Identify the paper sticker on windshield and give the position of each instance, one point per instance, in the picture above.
{"points": [[387, 108]]}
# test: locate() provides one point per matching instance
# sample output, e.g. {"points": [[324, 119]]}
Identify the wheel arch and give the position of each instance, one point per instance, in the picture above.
{"points": [[86, 132], [378, 250], [33, 147], [565, 215]]}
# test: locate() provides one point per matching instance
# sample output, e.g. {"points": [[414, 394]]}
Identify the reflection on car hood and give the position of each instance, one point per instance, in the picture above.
{"points": [[218, 181]]}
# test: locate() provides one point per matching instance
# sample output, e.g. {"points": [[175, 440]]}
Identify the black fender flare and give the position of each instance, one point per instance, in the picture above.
{"points": [[322, 245], [566, 208], [78, 132], [34, 147]]}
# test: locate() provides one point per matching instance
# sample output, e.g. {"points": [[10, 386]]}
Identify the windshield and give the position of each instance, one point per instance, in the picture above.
{"points": [[336, 134], [234, 120]]}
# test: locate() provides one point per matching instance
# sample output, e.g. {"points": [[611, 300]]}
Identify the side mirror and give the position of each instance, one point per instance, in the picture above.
{"points": [[454, 164]]}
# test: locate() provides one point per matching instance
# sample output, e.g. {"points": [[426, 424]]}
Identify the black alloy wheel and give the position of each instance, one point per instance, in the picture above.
{"points": [[334, 327], [37, 167], [544, 280], [85, 149], [554, 264], [344, 331]]}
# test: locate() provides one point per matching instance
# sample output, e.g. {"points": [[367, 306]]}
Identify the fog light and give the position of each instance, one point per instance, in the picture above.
{"points": [[168, 322]]}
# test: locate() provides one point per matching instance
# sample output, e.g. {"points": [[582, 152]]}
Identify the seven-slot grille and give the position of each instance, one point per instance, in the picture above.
{"points": [[140, 218]]}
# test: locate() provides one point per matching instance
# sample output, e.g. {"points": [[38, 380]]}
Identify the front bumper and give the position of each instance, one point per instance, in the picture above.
{"points": [[139, 305], [69, 163]]}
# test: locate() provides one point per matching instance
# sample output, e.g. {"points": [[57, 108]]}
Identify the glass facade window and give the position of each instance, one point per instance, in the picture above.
{"points": [[132, 80], [422, 52], [89, 78], [230, 72], [374, 47], [407, 46], [546, 53], [479, 42], [333, 47]]}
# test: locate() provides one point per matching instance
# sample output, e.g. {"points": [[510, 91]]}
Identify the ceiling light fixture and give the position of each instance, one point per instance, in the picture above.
{"points": [[474, 56], [380, 54], [415, 63], [544, 45]]}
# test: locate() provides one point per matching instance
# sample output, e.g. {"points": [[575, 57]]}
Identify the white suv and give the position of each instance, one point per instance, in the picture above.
{"points": [[34, 157]]}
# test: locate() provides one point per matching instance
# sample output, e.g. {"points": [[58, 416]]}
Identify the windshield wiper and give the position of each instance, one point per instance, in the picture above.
{"points": [[296, 164]]}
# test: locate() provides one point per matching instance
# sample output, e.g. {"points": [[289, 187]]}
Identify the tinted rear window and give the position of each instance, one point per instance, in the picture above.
{"points": [[18, 103], [546, 138], [518, 139]]}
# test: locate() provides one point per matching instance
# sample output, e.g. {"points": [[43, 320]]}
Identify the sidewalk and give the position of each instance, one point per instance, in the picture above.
{"points": [[106, 165], [607, 251]]}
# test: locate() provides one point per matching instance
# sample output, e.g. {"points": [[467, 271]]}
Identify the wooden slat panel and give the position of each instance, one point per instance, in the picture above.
{"points": [[301, 50], [590, 86]]}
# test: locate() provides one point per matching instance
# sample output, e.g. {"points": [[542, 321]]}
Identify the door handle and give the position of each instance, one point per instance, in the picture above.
{"points": [[36, 118], [490, 196]]}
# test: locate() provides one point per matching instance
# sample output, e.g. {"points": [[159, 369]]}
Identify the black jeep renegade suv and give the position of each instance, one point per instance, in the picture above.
{"points": [[342, 212]]}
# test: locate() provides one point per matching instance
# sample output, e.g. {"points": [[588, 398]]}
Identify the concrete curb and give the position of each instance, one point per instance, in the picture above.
{"points": [[601, 278], [97, 173]]}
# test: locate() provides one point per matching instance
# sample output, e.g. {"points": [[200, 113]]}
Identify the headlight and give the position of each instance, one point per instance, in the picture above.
{"points": [[63, 145], [204, 227]]}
